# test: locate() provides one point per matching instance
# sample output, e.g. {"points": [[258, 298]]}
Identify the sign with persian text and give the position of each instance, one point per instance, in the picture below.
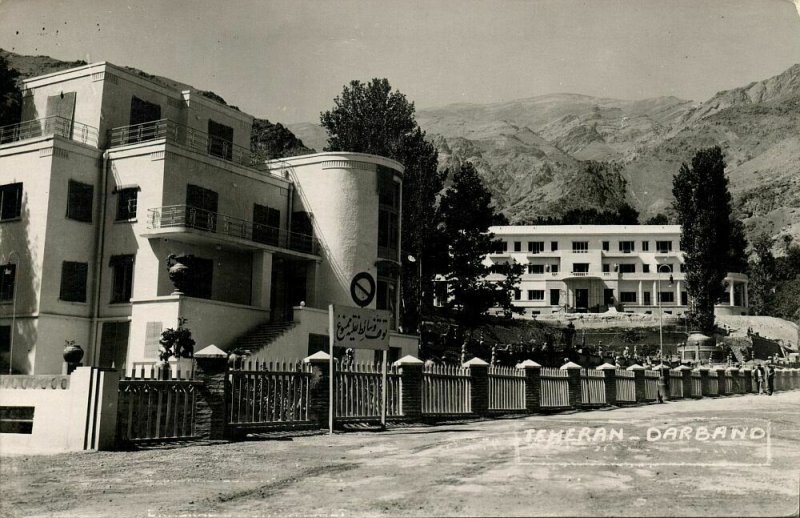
{"points": [[360, 328]]}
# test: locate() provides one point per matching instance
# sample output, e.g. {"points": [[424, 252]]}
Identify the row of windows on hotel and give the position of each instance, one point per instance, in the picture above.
{"points": [[538, 269], [626, 297], [578, 247]]}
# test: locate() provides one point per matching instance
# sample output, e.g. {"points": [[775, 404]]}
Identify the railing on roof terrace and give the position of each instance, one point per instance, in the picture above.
{"points": [[185, 136], [192, 217], [49, 126]]}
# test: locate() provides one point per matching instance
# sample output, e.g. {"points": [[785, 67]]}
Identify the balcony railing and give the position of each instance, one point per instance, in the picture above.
{"points": [[49, 126], [186, 216], [187, 137]]}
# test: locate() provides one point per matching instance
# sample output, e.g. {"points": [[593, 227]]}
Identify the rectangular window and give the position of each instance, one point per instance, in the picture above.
{"points": [[535, 294], [73, 281], [518, 246], [664, 247], [667, 297], [553, 246], [10, 201], [201, 208], [626, 247], [79, 201], [580, 247], [606, 246], [220, 140], [606, 268], [8, 281], [555, 297], [266, 224], [535, 269], [517, 294], [646, 268], [5, 339], [627, 268], [554, 268], [535, 247], [126, 203], [122, 278], [388, 215], [647, 297], [684, 299], [608, 296], [645, 246], [580, 267], [682, 268], [627, 297], [16, 419]]}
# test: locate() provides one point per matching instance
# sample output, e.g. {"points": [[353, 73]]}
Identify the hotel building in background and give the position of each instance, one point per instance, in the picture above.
{"points": [[112, 171], [591, 268]]}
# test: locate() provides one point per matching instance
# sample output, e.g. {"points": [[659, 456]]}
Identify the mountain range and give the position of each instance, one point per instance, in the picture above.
{"points": [[533, 153], [539, 156]]}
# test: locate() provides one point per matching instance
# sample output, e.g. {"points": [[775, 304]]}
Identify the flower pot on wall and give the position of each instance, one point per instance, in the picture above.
{"points": [[178, 268]]}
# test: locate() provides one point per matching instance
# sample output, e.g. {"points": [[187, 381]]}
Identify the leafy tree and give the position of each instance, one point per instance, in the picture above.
{"points": [[658, 219], [372, 118], [703, 206], [763, 275], [268, 141], [466, 214], [10, 94]]}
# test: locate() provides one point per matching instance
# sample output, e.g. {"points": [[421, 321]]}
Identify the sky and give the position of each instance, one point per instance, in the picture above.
{"points": [[287, 60]]}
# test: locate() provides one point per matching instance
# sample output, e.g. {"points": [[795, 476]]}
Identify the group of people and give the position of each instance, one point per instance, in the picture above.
{"points": [[765, 379]]}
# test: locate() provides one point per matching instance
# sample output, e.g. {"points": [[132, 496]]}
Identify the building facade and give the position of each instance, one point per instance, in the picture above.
{"points": [[594, 268], [113, 175]]}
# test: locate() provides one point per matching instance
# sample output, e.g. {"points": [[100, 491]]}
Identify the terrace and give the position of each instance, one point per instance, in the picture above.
{"points": [[187, 137], [47, 127]]}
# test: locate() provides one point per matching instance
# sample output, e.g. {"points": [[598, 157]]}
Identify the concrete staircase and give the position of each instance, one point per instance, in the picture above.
{"points": [[259, 338]]}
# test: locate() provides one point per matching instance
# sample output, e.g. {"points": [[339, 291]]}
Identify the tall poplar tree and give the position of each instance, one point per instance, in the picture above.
{"points": [[373, 118], [703, 207]]}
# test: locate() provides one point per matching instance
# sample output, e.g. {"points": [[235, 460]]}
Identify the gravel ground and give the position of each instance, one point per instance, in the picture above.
{"points": [[612, 462]]}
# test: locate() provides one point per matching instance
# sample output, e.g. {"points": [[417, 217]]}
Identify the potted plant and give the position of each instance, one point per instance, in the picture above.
{"points": [[177, 342]]}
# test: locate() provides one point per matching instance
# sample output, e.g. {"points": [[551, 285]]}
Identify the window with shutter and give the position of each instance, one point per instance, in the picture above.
{"points": [[79, 201], [10, 201], [73, 281]]}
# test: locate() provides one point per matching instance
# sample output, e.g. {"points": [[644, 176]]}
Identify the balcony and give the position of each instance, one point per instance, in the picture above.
{"points": [[187, 137], [49, 126], [229, 228]]}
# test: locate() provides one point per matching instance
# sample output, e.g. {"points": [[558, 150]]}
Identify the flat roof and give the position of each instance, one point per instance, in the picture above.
{"points": [[521, 230]]}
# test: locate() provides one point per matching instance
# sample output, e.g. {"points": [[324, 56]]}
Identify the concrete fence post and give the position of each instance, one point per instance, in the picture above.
{"points": [[686, 379], [533, 385], [663, 380], [319, 388], [410, 370], [638, 373], [574, 372], [747, 380], [721, 381], [210, 411], [610, 382], [479, 393], [705, 390]]}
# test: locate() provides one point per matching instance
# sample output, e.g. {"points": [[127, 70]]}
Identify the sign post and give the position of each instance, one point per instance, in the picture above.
{"points": [[358, 328]]}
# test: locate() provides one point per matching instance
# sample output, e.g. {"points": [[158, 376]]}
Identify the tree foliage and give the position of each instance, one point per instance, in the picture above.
{"points": [[10, 94], [703, 207], [372, 118], [658, 219], [467, 214], [775, 281]]}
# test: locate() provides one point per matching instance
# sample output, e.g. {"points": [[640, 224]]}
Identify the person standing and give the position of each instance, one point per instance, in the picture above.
{"points": [[760, 379], [771, 379]]}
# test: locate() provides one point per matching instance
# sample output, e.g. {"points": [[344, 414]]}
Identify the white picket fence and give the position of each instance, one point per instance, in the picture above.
{"points": [[593, 387], [676, 384], [506, 388], [651, 379], [626, 386], [713, 383], [446, 389], [357, 391], [555, 388]]}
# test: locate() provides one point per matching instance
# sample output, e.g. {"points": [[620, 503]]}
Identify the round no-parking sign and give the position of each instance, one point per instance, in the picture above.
{"points": [[362, 289]]}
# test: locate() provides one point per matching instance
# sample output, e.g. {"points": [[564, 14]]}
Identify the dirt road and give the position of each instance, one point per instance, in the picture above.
{"points": [[737, 456]]}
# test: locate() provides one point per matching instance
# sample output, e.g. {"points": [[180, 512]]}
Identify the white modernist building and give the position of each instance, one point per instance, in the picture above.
{"points": [[112, 172], [591, 268]]}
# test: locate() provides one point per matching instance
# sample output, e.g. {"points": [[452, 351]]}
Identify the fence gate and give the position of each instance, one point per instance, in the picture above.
{"points": [[262, 396], [151, 409], [357, 394]]}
